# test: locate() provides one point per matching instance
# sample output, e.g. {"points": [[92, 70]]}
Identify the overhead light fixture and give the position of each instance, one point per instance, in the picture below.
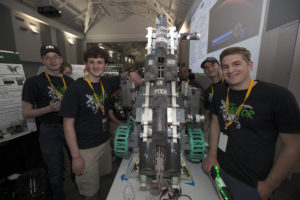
{"points": [[30, 17], [183, 29], [70, 40], [70, 34], [110, 53], [34, 29]]}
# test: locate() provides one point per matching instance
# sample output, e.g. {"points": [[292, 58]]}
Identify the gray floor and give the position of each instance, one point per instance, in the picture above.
{"points": [[71, 191]]}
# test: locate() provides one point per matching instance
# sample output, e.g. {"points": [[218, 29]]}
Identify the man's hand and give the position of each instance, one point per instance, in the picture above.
{"points": [[54, 105], [208, 162], [78, 165], [264, 189]]}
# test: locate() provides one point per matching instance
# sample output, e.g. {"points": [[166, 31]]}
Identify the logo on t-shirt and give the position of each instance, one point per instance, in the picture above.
{"points": [[92, 102], [246, 112], [52, 93]]}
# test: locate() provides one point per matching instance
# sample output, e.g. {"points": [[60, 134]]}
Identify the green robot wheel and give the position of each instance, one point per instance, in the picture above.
{"points": [[121, 141], [197, 144]]}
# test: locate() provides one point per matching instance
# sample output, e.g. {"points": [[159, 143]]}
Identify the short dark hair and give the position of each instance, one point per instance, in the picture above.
{"points": [[63, 66], [184, 66], [95, 52], [237, 50]]}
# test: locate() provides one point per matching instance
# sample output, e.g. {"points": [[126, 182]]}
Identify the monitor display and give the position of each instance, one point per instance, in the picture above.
{"points": [[232, 21]]}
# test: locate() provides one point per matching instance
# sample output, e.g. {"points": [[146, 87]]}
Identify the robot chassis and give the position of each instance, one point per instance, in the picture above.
{"points": [[166, 128]]}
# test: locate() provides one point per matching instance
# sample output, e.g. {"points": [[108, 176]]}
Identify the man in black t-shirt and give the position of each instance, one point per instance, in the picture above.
{"points": [[212, 69], [248, 116], [85, 109], [116, 114], [184, 75], [41, 99]]}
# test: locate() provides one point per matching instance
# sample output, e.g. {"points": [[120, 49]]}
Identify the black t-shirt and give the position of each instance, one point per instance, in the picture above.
{"points": [[208, 94], [196, 84], [38, 92], [79, 103], [118, 110], [268, 111]]}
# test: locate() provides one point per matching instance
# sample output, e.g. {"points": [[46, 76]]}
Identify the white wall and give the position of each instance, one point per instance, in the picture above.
{"points": [[28, 44], [71, 53], [16, 6], [295, 73]]}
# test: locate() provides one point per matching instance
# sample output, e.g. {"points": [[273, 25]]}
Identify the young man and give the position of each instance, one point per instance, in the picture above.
{"points": [[184, 75], [66, 69], [212, 70], [84, 109], [41, 99], [247, 118], [116, 113]]}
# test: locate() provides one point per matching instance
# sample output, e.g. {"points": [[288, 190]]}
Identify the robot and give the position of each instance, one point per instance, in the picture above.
{"points": [[164, 130]]}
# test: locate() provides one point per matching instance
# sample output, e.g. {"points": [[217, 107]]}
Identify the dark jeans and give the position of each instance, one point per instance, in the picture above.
{"points": [[51, 143], [239, 190]]}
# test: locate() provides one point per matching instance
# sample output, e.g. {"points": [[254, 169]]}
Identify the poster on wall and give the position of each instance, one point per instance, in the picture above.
{"points": [[78, 71], [233, 21], [226, 23], [12, 79]]}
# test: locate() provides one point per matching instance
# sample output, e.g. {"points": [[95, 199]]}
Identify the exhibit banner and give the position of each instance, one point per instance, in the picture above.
{"points": [[78, 71], [12, 78]]}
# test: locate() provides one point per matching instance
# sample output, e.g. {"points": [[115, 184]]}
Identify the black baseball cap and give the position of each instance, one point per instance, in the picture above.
{"points": [[209, 59], [49, 48]]}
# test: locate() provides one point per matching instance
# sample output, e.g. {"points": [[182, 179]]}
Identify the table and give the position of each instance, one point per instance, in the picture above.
{"points": [[201, 189]]}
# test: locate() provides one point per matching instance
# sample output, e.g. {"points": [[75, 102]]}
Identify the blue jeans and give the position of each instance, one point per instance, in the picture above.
{"points": [[51, 143], [238, 189]]}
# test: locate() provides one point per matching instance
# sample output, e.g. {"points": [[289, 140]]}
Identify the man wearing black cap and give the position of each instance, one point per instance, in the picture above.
{"points": [[41, 99], [212, 69]]}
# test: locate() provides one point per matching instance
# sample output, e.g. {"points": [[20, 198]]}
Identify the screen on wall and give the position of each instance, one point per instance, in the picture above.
{"points": [[232, 21]]}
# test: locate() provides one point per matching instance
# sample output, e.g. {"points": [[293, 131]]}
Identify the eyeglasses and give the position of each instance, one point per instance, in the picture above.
{"points": [[48, 58]]}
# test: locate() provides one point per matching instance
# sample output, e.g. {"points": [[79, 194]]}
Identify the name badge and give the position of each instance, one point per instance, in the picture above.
{"points": [[223, 141]]}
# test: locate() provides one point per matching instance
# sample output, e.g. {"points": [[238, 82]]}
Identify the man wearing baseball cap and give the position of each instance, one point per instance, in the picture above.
{"points": [[212, 70], [41, 99]]}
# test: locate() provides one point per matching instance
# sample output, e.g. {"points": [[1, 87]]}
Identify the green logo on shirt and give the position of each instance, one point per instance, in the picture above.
{"points": [[246, 112]]}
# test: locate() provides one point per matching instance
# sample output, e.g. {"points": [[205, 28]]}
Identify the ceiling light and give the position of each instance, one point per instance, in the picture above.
{"points": [[110, 53], [70, 34], [70, 40], [34, 29]]}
